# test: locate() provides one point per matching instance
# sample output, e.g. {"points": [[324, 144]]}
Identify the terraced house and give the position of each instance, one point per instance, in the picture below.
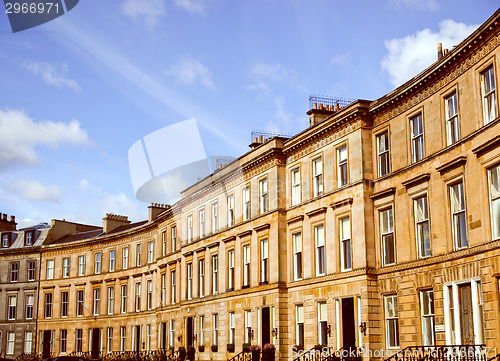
{"points": [[377, 226]]}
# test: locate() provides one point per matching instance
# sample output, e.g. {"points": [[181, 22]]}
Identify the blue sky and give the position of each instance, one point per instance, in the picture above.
{"points": [[77, 92]]}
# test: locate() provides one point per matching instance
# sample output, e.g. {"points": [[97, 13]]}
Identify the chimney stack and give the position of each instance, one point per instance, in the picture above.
{"points": [[155, 209], [6, 225], [113, 221], [440, 50]]}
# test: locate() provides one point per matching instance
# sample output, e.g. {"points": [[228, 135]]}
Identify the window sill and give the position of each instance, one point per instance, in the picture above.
{"points": [[263, 283]]}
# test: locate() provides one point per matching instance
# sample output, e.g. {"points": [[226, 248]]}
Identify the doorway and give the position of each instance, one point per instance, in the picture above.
{"points": [[189, 331], [466, 318], [46, 343], [348, 324], [96, 338], [266, 326]]}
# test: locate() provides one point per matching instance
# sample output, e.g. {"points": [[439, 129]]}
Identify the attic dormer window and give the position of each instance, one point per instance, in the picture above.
{"points": [[6, 239], [28, 238]]}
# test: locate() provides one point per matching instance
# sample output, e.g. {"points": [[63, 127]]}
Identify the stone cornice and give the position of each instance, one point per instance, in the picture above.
{"points": [[342, 203], [383, 193], [487, 146], [298, 218], [262, 227], [315, 212], [455, 163], [421, 178]]}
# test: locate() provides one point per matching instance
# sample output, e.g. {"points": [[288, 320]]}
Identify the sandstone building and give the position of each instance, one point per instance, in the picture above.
{"points": [[379, 225]]}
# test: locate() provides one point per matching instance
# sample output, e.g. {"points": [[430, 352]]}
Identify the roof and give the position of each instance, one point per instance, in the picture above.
{"points": [[80, 236]]}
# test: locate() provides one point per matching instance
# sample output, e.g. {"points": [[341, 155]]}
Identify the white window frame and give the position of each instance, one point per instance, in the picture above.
{"points": [[246, 203], [109, 339], [264, 261], [215, 274], [11, 341], [11, 307], [299, 325], [215, 329], [215, 217], [230, 269], [417, 138], [322, 323], [427, 315], [201, 277], [298, 266], [383, 154], [137, 301], [494, 189], [50, 269], [174, 239], [125, 255], [201, 214], [422, 226], [64, 304], [96, 309], [342, 166], [111, 300], [79, 303], [317, 172], [112, 260], [248, 326], [295, 181], [246, 265], [452, 126], [65, 268], [230, 210], [151, 251], [488, 91], [189, 274], [138, 251], [123, 298], [320, 253], [172, 287], [263, 196], [391, 321], [30, 303], [345, 243], [232, 328], [386, 233], [458, 214], [97, 263]]}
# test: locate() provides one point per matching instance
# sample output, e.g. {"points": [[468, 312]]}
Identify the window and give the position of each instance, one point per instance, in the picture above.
{"points": [[64, 304], [391, 321], [81, 265], [11, 308], [97, 301], [201, 278], [246, 266], [246, 203], [230, 210], [123, 300], [215, 217], [6, 239], [494, 180], [383, 160], [189, 276], [299, 325], [31, 270], [202, 222], [123, 338], [317, 168], [190, 228], [137, 297], [172, 333], [322, 324], [342, 168], [79, 303], [28, 238], [163, 289], [215, 329], [30, 301], [296, 187], [489, 95], [111, 300], [319, 238], [148, 338], [14, 272], [458, 215], [112, 260], [263, 196], [109, 340], [172, 287], [138, 249], [232, 328], [417, 138], [63, 341], [230, 270], [451, 109], [215, 275], [248, 326], [427, 312], [202, 330], [11, 340], [422, 227], [48, 305], [149, 299], [174, 239], [163, 243], [387, 232], [97, 263], [297, 256], [65, 270], [264, 261], [50, 269], [78, 340], [345, 243], [125, 258], [28, 342], [151, 251]]}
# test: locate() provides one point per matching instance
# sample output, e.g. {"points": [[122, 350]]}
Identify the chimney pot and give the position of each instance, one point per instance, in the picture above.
{"points": [[12, 218], [260, 138], [315, 105], [4, 217], [445, 51]]}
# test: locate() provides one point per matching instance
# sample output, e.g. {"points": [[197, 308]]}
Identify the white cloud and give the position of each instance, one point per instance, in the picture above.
{"points": [[341, 59], [19, 135], [52, 75], [284, 121], [410, 55], [189, 71], [192, 6], [429, 5], [149, 11], [265, 75], [35, 191]]}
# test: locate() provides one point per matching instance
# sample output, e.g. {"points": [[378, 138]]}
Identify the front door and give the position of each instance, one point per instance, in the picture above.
{"points": [[189, 331], [46, 343], [96, 338], [137, 340], [348, 324], [266, 326], [163, 335], [466, 319]]}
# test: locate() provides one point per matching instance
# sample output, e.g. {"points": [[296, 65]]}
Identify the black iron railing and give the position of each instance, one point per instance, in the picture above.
{"points": [[441, 353], [328, 100], [326, 354], [495, 358], [242, 356], [27, 357]]}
